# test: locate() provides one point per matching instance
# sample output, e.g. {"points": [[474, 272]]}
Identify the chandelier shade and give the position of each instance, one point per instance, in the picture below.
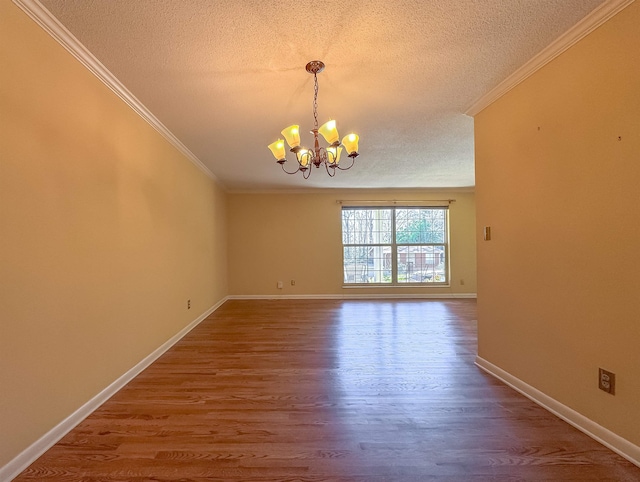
{"points": [[350, 143], [318, 155], [303, 157], [329, 132], [277, 149], [292, 135], [333, 154]]}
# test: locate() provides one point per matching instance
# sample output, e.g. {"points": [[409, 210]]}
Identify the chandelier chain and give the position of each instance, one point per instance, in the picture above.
{"points": [[315, 100]]}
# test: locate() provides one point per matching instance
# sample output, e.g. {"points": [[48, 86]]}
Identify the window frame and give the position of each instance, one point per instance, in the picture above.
{"points": [[394, 245]]}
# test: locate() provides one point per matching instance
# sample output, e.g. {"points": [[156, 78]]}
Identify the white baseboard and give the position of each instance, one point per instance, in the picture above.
{"points": [[371, 296], [44, 443], [606, 437]]}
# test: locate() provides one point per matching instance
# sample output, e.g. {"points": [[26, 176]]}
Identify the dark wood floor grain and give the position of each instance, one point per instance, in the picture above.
{"points": [[326, 390]]}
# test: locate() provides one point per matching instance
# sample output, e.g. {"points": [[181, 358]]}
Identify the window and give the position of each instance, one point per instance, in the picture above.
{"points": [[395, 245]]}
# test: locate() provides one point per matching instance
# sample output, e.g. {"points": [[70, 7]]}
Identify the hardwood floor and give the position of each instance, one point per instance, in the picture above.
{"points": [[326, 390]]}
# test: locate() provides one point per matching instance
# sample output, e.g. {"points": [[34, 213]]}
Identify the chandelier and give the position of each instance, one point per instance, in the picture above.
{"points": [[328, 156]]}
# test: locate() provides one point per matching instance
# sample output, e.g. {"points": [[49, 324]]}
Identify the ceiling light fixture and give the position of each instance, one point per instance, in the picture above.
{"points": [[327, 156]]}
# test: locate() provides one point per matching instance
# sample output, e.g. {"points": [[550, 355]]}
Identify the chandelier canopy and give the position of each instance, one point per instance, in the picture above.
{"points": [[328, 156]]}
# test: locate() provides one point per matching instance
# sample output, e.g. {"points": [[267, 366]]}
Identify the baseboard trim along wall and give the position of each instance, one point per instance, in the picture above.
{"points": [[31, 453], [372, 296], [619, 445]]}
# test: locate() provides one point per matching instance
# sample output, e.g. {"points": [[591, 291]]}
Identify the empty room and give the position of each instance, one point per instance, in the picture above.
{"points": [[319, 241]]}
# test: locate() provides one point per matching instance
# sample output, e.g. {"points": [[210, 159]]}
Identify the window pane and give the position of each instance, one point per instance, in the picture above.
{"points": [[421, 264], [414, 238], [367, 264], [416, 225], [366, 226]]}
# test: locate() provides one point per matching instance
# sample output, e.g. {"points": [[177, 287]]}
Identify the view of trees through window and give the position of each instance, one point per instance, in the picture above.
{"points": [[395, 245]]}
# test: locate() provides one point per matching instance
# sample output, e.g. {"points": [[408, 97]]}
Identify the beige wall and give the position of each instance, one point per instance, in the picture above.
{"points": [[276, 237], [106, 231], [558, 176]]}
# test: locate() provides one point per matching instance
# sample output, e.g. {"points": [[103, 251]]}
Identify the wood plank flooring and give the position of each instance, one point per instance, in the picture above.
{"points": [[326, 390]]}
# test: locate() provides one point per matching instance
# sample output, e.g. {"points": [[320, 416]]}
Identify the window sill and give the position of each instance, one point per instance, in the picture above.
{"points": [[406, 285]]}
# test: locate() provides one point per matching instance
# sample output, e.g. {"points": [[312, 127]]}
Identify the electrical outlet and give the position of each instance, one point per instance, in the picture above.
{"points": [[188, 304], [462, 282], [280, 285], [607, 381], [293, 282]]}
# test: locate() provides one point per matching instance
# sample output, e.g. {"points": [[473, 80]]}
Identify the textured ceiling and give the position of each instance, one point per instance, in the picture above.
{"points": [[225, 76]]}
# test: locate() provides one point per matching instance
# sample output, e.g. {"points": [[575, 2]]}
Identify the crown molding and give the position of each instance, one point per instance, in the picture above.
{"points": [[342, 191], [50, 24], [572, 36]]}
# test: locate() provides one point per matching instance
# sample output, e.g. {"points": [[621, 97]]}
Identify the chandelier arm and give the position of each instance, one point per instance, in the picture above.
{"points": [[293, 172], [353, 161], [306, 173], [331, 171]]}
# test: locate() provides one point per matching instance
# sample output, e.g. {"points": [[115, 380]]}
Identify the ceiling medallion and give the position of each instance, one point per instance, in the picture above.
{"points": [[328, 156]]}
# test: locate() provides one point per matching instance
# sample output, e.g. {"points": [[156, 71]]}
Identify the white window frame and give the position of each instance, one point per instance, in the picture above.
{"points": [[394, 245]]}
